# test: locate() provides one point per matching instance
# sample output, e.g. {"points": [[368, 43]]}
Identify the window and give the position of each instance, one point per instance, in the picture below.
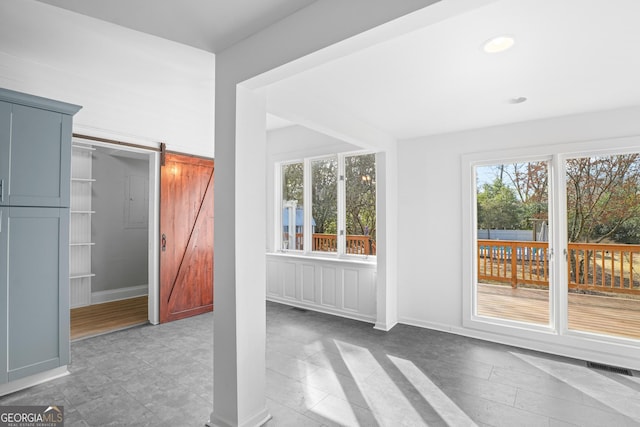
{"points": [[293, 206], [360, 204], [331, 203], [324, 204], [552, 242], [512, 221]]}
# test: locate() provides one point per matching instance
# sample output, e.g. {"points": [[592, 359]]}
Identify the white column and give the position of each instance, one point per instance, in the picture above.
{"points": [[240, 266], [387, 240]]}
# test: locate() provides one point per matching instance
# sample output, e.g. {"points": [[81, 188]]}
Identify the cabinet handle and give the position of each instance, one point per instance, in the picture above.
{"points": [[1, 190], [164, 242]]}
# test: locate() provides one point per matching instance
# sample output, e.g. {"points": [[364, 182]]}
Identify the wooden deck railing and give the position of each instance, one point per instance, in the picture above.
{"points": [[604, 267], [592, 267], [514, 262], [355, 244]]}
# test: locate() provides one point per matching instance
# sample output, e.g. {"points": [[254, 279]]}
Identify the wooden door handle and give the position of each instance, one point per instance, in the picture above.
{"points": [[164, 242]]}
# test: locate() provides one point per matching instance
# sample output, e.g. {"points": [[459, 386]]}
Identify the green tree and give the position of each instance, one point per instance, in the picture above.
{"points": [[603, 198], [293, 182], [360, 194], [324, 195], [498, 206]]}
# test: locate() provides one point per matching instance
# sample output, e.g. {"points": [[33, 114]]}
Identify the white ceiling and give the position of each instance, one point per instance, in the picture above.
{"points": [[570, 56], [210, 25]]}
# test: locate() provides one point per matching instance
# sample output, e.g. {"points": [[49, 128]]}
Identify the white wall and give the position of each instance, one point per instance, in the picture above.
{"points": [[119, 257], [132, 86], [430, 220]]}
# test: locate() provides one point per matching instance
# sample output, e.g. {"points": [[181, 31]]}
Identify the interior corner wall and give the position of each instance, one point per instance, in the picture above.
{"points": [[430, 204], [119, 256], [132, 86]]}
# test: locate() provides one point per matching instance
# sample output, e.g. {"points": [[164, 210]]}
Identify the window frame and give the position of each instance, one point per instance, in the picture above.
{"points": [[557, 333], [340, 252]]}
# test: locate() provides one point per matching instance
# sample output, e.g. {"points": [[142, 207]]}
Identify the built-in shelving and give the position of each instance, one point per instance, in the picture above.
{"points": [[80, 225]]}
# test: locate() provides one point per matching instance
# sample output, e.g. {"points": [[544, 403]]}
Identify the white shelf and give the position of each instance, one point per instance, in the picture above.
{"points": [[81, 275], [83, 147], [80, 244]]}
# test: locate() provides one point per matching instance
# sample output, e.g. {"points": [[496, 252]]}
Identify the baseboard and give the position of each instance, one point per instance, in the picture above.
{"points": [[257, 420], [322, 309], [100, 297], [384, 326], [33, 380]]}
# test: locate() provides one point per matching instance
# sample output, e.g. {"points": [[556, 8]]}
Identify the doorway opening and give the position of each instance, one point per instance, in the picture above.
{"points": [[113, 272]]}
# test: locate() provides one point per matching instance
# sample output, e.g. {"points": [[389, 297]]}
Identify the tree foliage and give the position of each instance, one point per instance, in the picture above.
{"points": [[360, 194], [603, 197], [293, 182], [603, 200], [324, 195], [498, 206]]}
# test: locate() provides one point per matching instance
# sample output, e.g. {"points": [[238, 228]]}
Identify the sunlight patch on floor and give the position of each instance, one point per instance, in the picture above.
{"points": [[445, 407], [623, 398], [379, 390]]}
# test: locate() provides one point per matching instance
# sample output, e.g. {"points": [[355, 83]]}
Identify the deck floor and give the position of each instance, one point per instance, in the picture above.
{"points": [[590, 313]]}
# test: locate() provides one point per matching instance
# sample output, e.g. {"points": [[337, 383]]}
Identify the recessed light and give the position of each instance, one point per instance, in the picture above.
{"points": [[499, 44], [517, 100]]}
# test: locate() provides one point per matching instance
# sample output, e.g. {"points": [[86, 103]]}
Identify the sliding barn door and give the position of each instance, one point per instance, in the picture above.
{"points": [[186, 233]]}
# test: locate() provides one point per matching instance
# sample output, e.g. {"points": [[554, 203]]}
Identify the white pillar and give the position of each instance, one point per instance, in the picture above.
{"points": [[387, 240], [240, 267]]}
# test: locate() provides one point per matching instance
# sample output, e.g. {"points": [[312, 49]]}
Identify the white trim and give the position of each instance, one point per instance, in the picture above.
{"points": [[33, 380], [320, 256], [153, 289], [153, 274], [385, 327], [258, 419], [322, 309], [109, 295]]}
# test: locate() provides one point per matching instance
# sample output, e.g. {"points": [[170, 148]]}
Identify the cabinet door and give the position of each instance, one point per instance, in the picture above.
{"points": [[39, 156], [5, 150], [36, 290], [4, 248]]}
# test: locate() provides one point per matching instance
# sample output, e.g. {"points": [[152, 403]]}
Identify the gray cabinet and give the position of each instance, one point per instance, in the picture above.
{"points": [[34, 291], [35, 159], [35, 150]]}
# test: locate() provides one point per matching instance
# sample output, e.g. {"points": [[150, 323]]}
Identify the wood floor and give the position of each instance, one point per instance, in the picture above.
{"points": [[111, 316], [590, 313]]}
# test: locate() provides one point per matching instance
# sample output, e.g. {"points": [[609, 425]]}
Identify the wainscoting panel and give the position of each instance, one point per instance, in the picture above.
{"points": [[350, 288], [290, 282], [274, 281], [342, 287], [328, 283], [308, 283]]}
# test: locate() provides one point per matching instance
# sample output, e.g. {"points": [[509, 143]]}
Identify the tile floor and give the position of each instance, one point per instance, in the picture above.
{"points": [[328, 371]]}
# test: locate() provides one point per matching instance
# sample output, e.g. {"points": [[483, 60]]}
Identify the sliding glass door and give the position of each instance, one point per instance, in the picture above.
{"points": [[513, 278], [603, 254]]}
